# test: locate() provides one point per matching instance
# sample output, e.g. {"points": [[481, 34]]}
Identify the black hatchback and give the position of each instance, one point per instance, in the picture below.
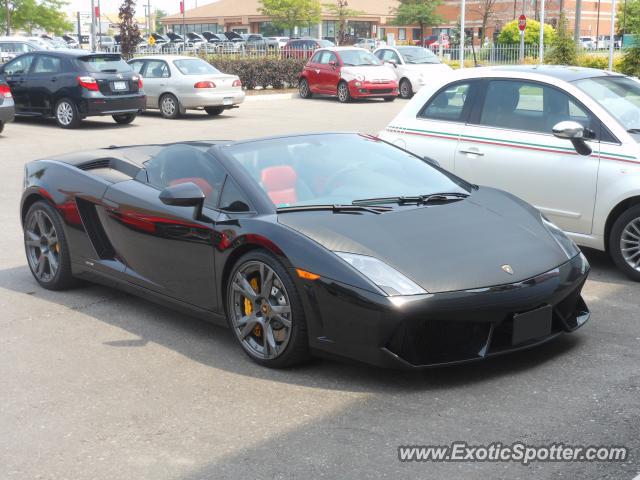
{"points": [[71, 85]]}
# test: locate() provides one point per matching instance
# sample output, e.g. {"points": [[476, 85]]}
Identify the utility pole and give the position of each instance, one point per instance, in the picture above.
{"points": [[8, 17], [92, 39], [598, 27], [151, 27], [577, 21], [462, 8], [613, 26], [541, 54]]}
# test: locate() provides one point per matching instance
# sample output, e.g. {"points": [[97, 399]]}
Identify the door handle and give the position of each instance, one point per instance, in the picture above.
{"points": [[473, 152], [54, 79]]}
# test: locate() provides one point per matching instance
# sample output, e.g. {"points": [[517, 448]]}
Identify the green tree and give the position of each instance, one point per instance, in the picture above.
{"points": [[288, 14], [628, 19], [563, 49], [417, 12], [129, 32], [29, 15], [511, 35], [159, 15], [343, 12]]}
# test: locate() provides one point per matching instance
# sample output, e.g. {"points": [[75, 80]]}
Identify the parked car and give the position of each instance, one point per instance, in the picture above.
{"points": [[106, 43], [72, 40], [282, 41], [325, 243], [175, 44], [218, 42], [303, 47], [366, 43], [565, 139], [349, 73], [73, 84], [255, 41], [7, 110], [57, 43], [413, 66], [236, 39], [40, 42], [174, 84], [11, 47], [195, 41], [587, 43]]}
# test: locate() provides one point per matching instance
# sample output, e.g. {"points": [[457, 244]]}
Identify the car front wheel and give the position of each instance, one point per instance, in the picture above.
{"points": [[265, 312], [303, 87], [624, 242], [66, 113], [344, 95], [406, 91], [125, 118]]}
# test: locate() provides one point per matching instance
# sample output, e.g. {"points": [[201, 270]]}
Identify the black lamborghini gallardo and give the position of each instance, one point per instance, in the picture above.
{"points": [[333, 244]]}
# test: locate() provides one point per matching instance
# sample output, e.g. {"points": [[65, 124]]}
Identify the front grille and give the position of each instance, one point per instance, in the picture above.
{"points": [[381, 90]]}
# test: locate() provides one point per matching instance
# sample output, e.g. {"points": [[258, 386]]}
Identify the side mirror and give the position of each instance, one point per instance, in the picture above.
{"points": [[333, 64], [574, 132], [393, 63], [184, 195]]}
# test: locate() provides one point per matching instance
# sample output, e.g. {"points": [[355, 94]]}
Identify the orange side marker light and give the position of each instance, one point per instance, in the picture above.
{"points": [[306, 275]]}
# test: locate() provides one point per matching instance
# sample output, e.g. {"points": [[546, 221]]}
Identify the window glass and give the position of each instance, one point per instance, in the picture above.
{"points": [[18, 66], [356, 58], [316, 57], [195, 66], [533, 107], [177, 164], [104, 63], [157, 69], [232, 199], [386, 55], [620, 96], [137, 65], [327, 57], [448, 104], [46, 64], [402, 34], [418, 55]]}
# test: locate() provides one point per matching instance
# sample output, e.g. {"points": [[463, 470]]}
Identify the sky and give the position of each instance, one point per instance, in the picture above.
{"points": [[112, 6]]}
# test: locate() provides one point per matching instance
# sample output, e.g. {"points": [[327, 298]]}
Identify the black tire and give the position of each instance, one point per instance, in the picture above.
{"points": [[125, 118], [344, 95], [214, 111], [406, 91], [296, 350], [169, 106], [390, 99], [61, 278], [303, 88], [66, 113], [626, 229], [1, 126]]}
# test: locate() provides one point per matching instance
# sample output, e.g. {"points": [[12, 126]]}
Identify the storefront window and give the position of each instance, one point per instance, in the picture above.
{"points": [[402, 34]]}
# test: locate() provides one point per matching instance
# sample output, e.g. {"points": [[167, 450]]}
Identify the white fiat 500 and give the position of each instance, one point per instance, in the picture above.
{"points": [[173, 84], [565, 139], [414, 67]]}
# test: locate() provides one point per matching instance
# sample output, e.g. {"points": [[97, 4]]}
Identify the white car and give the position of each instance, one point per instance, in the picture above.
{"points": [[565, 139], [174, 84], [282, 41], [414, 67]]}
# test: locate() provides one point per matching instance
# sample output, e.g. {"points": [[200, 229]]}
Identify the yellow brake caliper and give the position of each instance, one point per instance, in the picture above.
{"points": [[248, 307]]}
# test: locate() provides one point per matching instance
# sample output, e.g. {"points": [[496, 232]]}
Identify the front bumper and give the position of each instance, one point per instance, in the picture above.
{"points": [[117, 105], [212, 99], [367, 89], [444, 328]]}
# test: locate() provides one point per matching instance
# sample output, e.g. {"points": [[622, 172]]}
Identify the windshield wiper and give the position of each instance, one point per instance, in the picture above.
{"points": [[633, 130], [336, 208], [417, 199]]}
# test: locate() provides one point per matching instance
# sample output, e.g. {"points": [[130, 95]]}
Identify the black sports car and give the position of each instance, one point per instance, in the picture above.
{"points": [[335, 244]]}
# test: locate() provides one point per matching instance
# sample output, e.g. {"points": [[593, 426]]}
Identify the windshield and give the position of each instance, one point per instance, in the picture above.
{"points": [[356, 58], [195, 66], [418, 55], [620, 96], [104, 63], [337, 169]]}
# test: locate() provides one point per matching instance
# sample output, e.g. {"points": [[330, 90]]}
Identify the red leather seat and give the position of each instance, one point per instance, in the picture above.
{"points": [[280, 184], [206, 188]]}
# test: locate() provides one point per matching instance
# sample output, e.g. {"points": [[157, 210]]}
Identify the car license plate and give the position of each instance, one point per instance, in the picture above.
{"points": [[119, 85], [227, 101], [531, 325]]}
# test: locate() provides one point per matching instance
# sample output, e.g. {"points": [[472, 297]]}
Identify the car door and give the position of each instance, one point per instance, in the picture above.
{"points": [[312, 71], [156, 77], [435, 130], [15, 74], [329, 75], [509, 144], [43, 82], [164, 248]]}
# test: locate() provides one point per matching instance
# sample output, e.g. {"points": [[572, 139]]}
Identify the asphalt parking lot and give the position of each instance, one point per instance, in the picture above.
{"points": [[97, 384]]}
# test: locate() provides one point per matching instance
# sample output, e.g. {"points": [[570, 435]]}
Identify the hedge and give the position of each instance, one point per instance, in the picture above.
{"points": [[261, 71]]}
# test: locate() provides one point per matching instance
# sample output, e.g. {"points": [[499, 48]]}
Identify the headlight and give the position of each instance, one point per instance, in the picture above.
{"points": [[568, 246], [360, 77], [391, 281]]}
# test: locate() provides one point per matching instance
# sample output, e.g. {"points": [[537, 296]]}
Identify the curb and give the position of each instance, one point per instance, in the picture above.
{"points": [[270, 96]]}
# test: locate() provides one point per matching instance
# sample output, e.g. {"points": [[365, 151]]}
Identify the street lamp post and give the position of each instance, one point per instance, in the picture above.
{"points": [[541, 53], [611, 40], [462, 11]]}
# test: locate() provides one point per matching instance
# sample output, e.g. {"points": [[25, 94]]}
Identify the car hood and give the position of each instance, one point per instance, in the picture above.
{"points": [[458, 245], [373, 72], [426, 67]]}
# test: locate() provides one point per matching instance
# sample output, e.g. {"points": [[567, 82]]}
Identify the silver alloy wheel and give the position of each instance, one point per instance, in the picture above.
{"points": [[43, 249], [405, 89], [168, 106], [343, 92], [630, 244], [304, 88], [64, 113], [260, 310]]}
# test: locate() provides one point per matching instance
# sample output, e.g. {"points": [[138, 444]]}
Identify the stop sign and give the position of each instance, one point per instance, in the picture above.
{"points": [[522, 22]]}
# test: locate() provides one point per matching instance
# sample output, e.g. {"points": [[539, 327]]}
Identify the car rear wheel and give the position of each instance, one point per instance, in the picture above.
{"points": [[265, 311], [46, 247], [66, 113], [303, 88], [213, 111], [344, 95], [1, 126], [624, 242], [125, 118], [406, 91], [169, 106]]}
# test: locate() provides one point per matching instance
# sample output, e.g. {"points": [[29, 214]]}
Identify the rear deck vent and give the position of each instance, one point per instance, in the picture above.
{"points": [[95, 164]]}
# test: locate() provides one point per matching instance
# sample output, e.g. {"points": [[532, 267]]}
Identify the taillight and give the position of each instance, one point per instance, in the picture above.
{"points": [[206, 84], [5, 91], [89, 83], [237, 83], [139, 82]]}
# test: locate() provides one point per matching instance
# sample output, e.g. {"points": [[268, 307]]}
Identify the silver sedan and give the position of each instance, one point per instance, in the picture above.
{"points": [[174, 84]]}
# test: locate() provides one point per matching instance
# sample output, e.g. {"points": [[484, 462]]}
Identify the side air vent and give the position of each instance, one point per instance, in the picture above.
{"points": [[95, 164], [96, 233]]}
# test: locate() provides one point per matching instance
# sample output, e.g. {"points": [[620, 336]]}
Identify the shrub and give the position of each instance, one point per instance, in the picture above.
{"points": [[600, 61], [511, 35], [261, 71], [563, 49], [630, 62]]}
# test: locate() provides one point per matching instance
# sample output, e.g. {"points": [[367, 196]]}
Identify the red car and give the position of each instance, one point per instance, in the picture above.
{"points": [[347, 73], [303, 47]]}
